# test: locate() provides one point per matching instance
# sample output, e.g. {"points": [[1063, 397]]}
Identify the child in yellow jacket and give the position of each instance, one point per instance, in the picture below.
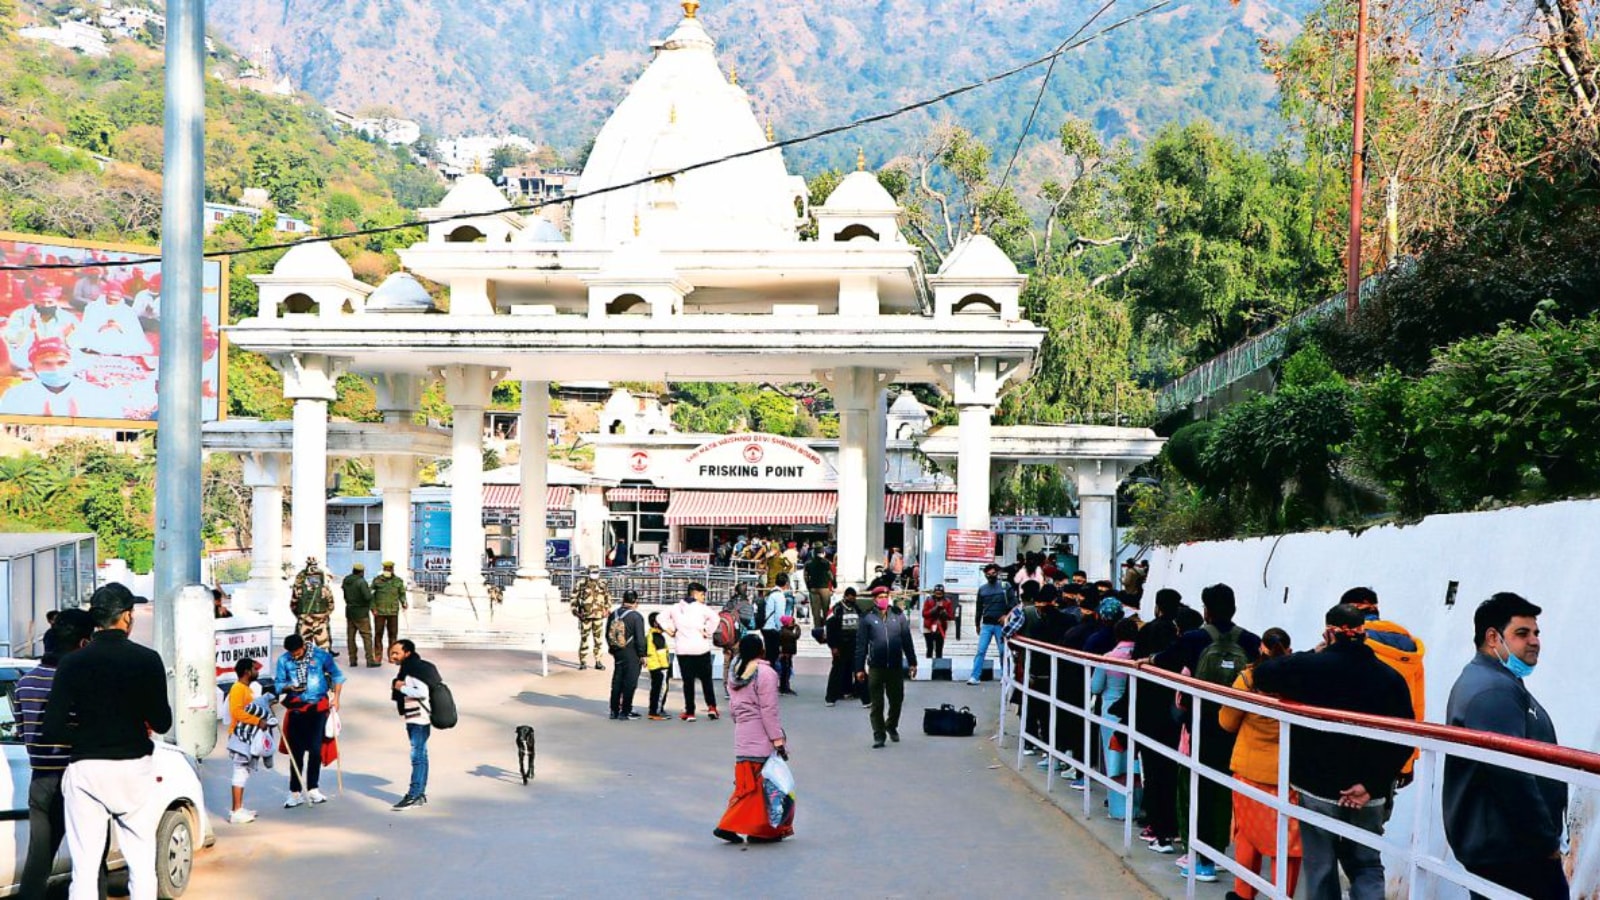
{"points": [[658, 662]]}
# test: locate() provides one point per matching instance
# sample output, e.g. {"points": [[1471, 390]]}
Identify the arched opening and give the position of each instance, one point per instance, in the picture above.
{"points": [[855, 232], [347, 308], [617, 428], [466, 234], [627, 305], [299, 304], [906, 431], [976, 305], [799, 207]]}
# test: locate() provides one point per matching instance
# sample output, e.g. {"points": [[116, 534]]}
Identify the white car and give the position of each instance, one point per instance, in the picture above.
{"points": [[184, 825]]}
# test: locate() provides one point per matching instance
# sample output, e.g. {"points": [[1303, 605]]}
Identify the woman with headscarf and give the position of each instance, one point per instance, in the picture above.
{"points": [[757, 735]]}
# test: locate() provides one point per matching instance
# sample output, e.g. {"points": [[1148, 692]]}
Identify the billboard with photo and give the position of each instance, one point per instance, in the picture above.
{"points": [[83, 345]]}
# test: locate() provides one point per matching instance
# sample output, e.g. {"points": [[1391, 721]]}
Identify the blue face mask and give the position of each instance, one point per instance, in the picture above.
{"points": [[56, 378], [1515, 664]]}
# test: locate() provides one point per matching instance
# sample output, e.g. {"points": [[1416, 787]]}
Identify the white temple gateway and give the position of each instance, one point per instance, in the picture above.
{"points": [[699, 277]]}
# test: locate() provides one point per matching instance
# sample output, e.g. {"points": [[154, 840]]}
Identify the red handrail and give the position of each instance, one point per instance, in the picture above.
{"points": [[1554, 754]]}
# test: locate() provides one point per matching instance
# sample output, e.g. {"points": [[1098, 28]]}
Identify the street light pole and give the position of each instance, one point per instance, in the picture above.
{"points": [[1358, 150], [178, 625]]}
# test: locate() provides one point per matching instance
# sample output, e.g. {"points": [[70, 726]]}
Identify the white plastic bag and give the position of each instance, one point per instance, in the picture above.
{"points": [[331, 730], [777, 786]]}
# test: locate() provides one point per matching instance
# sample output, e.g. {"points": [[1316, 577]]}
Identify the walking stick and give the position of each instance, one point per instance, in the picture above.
{"points": [[294, 763]]}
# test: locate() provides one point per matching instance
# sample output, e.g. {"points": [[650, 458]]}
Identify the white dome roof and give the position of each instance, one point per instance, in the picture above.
{"points": [[861, 192], [907, 405], [540, 230], [977, 257], [315, 261], [681, 111], [400, 293], [474, 193]]}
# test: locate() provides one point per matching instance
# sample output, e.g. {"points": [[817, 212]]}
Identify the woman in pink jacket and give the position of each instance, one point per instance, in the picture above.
{"points": [[757, 734]]}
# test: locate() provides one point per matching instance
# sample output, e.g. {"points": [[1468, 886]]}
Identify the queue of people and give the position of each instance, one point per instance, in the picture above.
{"points": [[1505, 827]]}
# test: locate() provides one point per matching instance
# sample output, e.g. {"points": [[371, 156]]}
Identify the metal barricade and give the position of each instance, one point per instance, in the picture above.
{"points": [[1425, 861]]}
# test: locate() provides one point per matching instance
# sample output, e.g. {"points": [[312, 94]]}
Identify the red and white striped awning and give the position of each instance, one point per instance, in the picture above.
{"points": [[509, 496], [919, 503], [636, 495], [752, 508]]}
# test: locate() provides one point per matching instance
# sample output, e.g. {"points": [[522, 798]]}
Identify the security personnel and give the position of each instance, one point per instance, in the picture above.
{"points": [[388, 598], [591, 604], [358, 614], [312, 604]]}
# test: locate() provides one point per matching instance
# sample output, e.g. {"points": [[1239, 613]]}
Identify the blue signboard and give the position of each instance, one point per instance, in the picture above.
{"points": [[557, 550]]}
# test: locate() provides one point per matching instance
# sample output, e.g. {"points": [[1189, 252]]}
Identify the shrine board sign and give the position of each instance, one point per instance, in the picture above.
{"points": [[252, 642], [753, 462]]}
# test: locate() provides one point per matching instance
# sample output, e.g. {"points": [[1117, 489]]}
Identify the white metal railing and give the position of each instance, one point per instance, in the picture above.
{"points": [[1424, 855]]}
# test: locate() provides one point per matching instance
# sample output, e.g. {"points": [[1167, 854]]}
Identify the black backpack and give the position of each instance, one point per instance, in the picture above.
{"points": [[441, 707]]}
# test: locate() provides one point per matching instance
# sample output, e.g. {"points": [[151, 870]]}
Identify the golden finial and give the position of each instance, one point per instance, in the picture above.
{"points": [[861, 160], [733, 74], [672, 115], [690, 8], [636, 228], [977, 222], [477, 165], [769, 131]]}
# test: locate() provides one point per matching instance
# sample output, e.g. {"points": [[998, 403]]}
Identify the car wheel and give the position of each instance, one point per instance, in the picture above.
{"points": [[174, 853]]}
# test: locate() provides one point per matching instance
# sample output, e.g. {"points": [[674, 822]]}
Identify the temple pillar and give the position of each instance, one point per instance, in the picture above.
{"points": [[308, 381], [394, 477], [877, 467], [266, 589], [533, 575], [1097, 481], [977, 392], [467, 389]]}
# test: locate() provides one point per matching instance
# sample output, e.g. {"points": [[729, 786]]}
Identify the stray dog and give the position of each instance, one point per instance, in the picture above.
{"points": [[525, 751]]}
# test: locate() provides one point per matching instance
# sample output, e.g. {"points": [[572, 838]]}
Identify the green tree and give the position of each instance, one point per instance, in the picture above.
{"points": [[92, 130]]}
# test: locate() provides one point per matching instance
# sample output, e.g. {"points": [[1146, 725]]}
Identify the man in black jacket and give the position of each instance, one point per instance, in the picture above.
{"points": [[1340, 776], [627, 657], [106, 701], [885, 656], [1504, 826], [412, 686], [840, 631]]}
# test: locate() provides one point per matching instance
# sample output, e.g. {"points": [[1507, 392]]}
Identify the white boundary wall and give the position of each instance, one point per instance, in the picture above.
{"points": [[1545, 553]]}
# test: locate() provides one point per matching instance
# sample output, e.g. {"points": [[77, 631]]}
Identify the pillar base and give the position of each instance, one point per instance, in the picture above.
{"points": [[532, 590], [265, 597]]}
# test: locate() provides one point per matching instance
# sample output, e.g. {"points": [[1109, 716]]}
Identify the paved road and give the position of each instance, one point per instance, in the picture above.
{"points": [[629, 806]]}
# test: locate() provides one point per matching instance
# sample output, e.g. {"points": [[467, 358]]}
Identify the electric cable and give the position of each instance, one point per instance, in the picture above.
{"points": [[829, 131]]}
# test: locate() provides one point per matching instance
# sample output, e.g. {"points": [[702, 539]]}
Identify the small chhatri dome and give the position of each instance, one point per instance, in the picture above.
{"points": [[400, 293], [539, 230], [861, 192], [978, 256], [313, 261], [474, 193]]}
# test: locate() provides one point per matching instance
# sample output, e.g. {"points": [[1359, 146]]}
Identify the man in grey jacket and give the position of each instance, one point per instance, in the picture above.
{"points": [[885, 656], [1505, 826]]}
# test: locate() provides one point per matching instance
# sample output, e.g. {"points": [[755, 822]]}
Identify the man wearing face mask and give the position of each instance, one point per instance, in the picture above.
{"points": [[885, 656], [56, 390], [994, 604], [1339, 775], [1505, 826], [43, 320]]}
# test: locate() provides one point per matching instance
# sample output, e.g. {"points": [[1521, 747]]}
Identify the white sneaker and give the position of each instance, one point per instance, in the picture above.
{"points": [[316, 796], [241, 817], [294, 800], [973, 681]]}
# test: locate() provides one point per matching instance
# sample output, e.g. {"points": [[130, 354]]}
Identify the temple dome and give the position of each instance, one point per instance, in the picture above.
{"points": [[681, 111], [472, 193], [317, 261], [540, 230], [861, 192], [400, 292], [977, 257]]}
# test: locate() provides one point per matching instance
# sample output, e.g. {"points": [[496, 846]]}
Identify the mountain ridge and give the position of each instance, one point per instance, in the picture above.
{"points": [[554, 70]]}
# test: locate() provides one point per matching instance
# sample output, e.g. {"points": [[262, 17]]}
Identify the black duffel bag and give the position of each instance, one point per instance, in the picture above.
{"points": [[947, 721]]}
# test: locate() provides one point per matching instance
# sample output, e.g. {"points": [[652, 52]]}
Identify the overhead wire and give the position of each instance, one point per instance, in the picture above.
{"points": [[1065, 47], [1044, 83]]}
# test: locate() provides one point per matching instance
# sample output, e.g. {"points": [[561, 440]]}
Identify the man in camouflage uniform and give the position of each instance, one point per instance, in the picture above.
{"points": [[591, 603], [312, 604], [388, 598]]}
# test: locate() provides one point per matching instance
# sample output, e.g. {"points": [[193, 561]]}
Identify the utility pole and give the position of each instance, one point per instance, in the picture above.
{"points": [[179, 630], [1358, 150]]}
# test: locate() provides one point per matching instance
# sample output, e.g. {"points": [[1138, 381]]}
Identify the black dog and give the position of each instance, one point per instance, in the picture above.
{"points": [[525, 751]]}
